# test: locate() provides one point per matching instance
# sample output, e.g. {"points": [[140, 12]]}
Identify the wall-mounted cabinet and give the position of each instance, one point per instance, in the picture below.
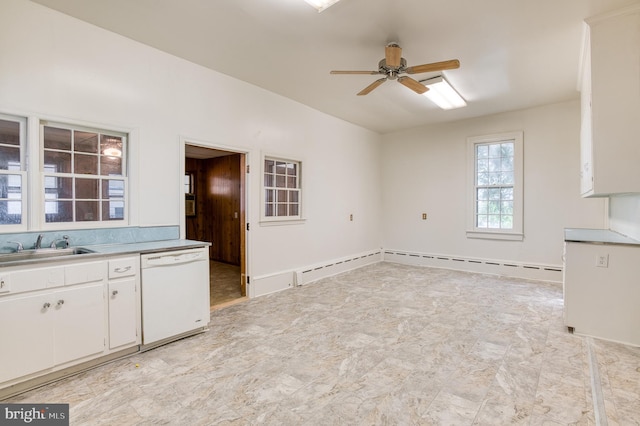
{"points": [[610, 101]]}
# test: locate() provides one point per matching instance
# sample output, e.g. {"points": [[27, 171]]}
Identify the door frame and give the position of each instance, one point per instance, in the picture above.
{"points": [[244, 201]]}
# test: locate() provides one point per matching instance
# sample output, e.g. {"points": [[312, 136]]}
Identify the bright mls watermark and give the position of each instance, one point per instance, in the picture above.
{"points": [[34, 414]]}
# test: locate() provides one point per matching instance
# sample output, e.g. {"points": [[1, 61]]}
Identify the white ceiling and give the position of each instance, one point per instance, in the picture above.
{"points": [[514, 53]]}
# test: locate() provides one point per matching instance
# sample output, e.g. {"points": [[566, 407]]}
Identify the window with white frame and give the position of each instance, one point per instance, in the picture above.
{"points": [[84, 174], [495, 167], [12, 172], [282, 189]]}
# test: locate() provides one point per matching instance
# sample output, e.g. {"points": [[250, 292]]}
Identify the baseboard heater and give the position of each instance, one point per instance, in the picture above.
{"points": [[487, 266], [334, 267]]}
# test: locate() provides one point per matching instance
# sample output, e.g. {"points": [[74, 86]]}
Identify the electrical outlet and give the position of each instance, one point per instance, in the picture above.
{"points": [[602, 261], [351, 217], [424, 216]]}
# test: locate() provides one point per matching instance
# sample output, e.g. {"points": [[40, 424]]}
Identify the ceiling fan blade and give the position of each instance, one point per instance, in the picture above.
{"points": [[356, 72], [372, 86], [393, 55], [412, 84], [435, 66]]}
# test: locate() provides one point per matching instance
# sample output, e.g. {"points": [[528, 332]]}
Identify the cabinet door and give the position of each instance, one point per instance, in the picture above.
{"points": [[123, 313], [26, 333], [79, 322]]}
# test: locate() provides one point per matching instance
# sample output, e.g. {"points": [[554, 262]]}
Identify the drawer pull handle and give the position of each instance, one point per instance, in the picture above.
{"points": [[114, 292], [120, 270], [2, 284], [60, 302], [46, 305]]}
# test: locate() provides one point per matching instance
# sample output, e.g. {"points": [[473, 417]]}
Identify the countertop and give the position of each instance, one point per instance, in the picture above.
{"points": [[597, 236], [102, 250]]}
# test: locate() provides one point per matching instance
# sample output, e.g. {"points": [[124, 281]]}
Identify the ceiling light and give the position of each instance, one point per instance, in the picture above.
{"points": [[321, 4], [112, 152], [442, 93]]}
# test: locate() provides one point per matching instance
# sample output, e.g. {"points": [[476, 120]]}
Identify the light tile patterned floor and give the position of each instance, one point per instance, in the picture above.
{"points": [[385, 344]]}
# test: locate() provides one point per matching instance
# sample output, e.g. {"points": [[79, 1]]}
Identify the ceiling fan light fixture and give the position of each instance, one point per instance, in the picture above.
{"points": [[442, 93], [321, 5]]}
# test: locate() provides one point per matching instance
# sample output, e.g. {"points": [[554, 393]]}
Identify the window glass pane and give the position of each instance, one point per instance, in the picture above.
{"points": [[9, 158], [113, 210], [280, 181], [268, 210], [269, 166], [269, 195], [506, 207], [87, 189], [111, 146], [86, 164], [112, 188], [268, 180], [292, 169], [58, 187], [482, 221], [494, 151], [112, 166], [85, 142], [483, 194], [9, 132], [483, 179], [507, 222], [282, 209], [293, 196], [291, 182], [58, 211], [87, 211], [482, 151], [57, 162], [282, 196], [507, 149], [494, 221], [494, 207], [506, 193], [10, 212], [293, 210], [55, 138], [506, 178], [483, 166], [483, 207], [281, 168], [494, 193]]}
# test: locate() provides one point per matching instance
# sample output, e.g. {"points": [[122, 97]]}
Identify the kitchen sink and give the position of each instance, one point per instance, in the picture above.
{"points": [[44, 253]]}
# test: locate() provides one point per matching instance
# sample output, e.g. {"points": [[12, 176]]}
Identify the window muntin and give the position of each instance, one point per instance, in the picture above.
{"points": [[12, 172], [282, 189], [84, 173], [495, 164]]}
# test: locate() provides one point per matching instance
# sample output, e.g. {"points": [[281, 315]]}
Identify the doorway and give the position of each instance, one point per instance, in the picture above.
{"points": [[215, 194]]}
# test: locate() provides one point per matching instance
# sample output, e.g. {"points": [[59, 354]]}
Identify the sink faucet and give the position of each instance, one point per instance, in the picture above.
{"points": [[39, 242], [65, 238], [20, 246]]}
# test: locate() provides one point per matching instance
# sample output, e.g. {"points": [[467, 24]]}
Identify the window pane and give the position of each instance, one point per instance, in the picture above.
{"points": [[483, 166], [281, 181], [494, 221], [9, 132], [112, 188], [269, 166], [268, 180], [269, 195], [55, 138], [507, 222], [506, 193], [268, 210], [112, 166], [281, 168], [506, 178], [87, 189], [483, 179], [85, 142], [494, 193], [506, 149], [482, 221], [113, 210], [57, 162], [282, 209], [9, 157], [87, 211], [494, 151], [58, 211], [293, 210], [506, 207], [10, 212], [292, 169], [86, 164], [58, 187], [293, 196], [282, 196], [483, 207], [483, 194], [482, 151], [111, 146], [291, 182]]}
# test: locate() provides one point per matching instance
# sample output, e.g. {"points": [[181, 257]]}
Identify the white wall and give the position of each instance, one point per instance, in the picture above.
{"points": [[424, 170], [624, 215], [52, 65]]}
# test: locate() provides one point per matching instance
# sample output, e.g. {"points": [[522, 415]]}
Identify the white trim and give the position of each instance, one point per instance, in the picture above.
{"points": [[517, 233], [319, 271], [282, 220]]}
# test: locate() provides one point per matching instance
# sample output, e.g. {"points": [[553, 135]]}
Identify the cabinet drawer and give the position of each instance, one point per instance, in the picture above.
{"points": [[84, 273], [123, 267], [37, 279]]}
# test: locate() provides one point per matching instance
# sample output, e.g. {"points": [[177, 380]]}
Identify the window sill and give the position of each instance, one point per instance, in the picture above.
{"points": [[496, 235], [280, 222]]}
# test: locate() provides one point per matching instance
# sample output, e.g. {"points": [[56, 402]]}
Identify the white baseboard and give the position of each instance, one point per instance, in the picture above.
{"points": [[337, 266], [551, 273]]}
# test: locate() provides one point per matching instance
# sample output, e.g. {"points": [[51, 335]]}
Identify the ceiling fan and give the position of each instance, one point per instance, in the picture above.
{"points": [[394, 64]]}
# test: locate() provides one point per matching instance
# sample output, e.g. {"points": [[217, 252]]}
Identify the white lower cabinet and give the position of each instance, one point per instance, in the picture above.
{"points": [[68, 313], [26, 333]]}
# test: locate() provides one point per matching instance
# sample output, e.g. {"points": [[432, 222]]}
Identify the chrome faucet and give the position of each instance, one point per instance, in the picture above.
{"points": [[65, 238], [20, 246], [39, 242]]}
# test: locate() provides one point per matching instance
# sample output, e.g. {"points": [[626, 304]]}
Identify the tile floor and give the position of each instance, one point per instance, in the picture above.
{"points": [[385, 344], [224, 283]]}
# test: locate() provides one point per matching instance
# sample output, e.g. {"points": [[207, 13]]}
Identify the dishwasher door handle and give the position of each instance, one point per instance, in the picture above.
{"points": [[174, 259]]}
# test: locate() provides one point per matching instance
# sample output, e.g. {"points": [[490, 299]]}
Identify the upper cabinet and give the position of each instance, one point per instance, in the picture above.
{"points": [[610, 102]]}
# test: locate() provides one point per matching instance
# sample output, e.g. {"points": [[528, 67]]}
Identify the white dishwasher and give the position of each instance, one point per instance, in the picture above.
{"points": [[175, 294]]}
